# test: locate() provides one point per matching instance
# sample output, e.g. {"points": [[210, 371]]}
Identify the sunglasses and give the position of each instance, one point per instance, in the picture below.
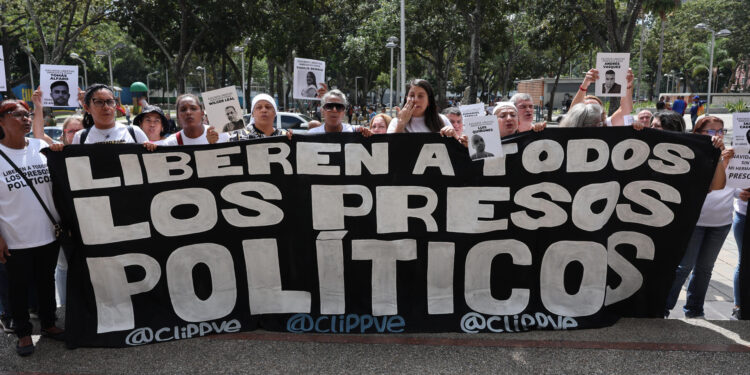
{"points": [[338, 107]]}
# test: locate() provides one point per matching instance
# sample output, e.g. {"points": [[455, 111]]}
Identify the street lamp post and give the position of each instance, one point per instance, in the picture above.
{"points": [[391, 45], [148, 85], [74, 55], [721, 33], [203, 70], [108, 53], [403, 50]]}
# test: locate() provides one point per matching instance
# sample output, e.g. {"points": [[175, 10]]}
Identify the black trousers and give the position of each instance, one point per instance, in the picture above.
{"points": [[24, 265]]}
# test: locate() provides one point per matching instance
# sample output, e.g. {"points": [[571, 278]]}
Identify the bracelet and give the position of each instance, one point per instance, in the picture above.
{"points": [[582, 89]]}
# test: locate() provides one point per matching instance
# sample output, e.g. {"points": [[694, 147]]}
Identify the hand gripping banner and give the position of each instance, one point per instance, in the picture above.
{"points": [[337, 233]]}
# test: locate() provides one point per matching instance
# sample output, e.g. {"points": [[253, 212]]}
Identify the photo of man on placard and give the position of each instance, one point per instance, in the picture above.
{"points": [[235, 121], [60, 93], [477, 142], [610, 86]]}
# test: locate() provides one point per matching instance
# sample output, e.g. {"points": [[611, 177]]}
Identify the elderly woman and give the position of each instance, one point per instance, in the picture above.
{"points": [[190, 116], [263, 111], [153, 122], [420, 113], [379, 123], [334, 105], [711, 230], [583, 115], [28, 245]]}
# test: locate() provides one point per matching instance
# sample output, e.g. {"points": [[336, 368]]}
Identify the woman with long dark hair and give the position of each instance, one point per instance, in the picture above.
{"points": [[420, 113], [713, 224], [28, 245]]}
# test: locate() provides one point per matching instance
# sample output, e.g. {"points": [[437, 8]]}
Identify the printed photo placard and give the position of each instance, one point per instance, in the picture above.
{"points": [[308, 75], [741, 129], [613, 72], [484, 137], [223, 109], [59, 85]]}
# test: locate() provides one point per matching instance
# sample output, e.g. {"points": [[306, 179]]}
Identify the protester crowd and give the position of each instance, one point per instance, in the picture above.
{"points": [[29, 252]]}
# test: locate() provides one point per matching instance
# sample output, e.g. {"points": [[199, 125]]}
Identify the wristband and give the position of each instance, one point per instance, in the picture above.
{"points": [[582, 89]]}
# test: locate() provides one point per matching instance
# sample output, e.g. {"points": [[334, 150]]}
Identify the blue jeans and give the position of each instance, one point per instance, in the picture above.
{"points": [[739, 230], [700, 256]]}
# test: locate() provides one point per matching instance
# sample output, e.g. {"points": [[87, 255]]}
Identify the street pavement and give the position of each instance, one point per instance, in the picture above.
{"points": [[644, 346]]}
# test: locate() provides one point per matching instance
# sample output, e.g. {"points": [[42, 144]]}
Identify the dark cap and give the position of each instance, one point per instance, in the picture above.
{"points": [[152, 109]]}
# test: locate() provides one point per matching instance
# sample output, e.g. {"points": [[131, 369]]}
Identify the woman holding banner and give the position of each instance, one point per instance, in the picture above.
{"points": [[263, 110], [190, 116], [710, 231], [28, 245], [420, 113]]}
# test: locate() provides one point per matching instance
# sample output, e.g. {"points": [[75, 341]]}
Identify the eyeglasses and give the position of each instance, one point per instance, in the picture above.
{"points": [[713, 132], [338, 107], [72, 131], [111, 103], [23, 114]]}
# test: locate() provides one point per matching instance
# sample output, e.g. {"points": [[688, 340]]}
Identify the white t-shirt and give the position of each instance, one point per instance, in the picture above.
{"points": [[416, 125], [345, 128], [200, 140], [116, 134], [23, 222], [717, 208]]}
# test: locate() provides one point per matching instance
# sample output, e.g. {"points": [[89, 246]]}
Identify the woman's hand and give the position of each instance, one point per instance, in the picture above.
{"points": [[404, 115], [36, 98], [56, 147], [629, 78], [149, 146], [322, 90], [464, 140], [539, 126], [448, 131], [591, 77], [365, 131], [211, 135], [745, 194], [718, 141], [81, 97], [726, 155], [289, 134]]}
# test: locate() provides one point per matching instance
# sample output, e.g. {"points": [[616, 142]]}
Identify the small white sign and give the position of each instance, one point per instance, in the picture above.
{"points": [[741, 129], [308, 75], [613, 73], [59, 85], [472, 110], [738, 169], [223, 109], [484, 137], [3, 84]]}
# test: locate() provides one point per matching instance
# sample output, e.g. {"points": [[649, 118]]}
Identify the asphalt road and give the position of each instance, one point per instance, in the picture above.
{"points": [[674, 346]]}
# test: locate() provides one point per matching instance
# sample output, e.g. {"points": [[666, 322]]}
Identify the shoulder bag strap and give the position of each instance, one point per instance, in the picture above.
{"points": [[179, 138], [33, 189], [84, 134]]}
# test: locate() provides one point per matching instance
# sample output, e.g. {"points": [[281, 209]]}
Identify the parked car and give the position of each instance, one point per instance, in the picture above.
{"points": [[289, 120], [54, 132]]}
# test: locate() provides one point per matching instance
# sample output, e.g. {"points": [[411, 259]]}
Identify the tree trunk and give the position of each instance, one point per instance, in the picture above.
{"points": [[475, 21], [554, 89], [271, 78]]}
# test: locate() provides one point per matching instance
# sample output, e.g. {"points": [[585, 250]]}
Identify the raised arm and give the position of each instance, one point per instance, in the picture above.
{"points": [[37, 124], [591, 77], [626, 103]]}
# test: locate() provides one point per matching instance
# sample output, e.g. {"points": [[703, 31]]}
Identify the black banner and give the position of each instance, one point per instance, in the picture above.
{"points": [[573, 228]]}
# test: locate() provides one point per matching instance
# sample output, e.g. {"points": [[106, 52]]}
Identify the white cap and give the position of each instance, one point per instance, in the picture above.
{"points": [[265, 97], [502, 105]]}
